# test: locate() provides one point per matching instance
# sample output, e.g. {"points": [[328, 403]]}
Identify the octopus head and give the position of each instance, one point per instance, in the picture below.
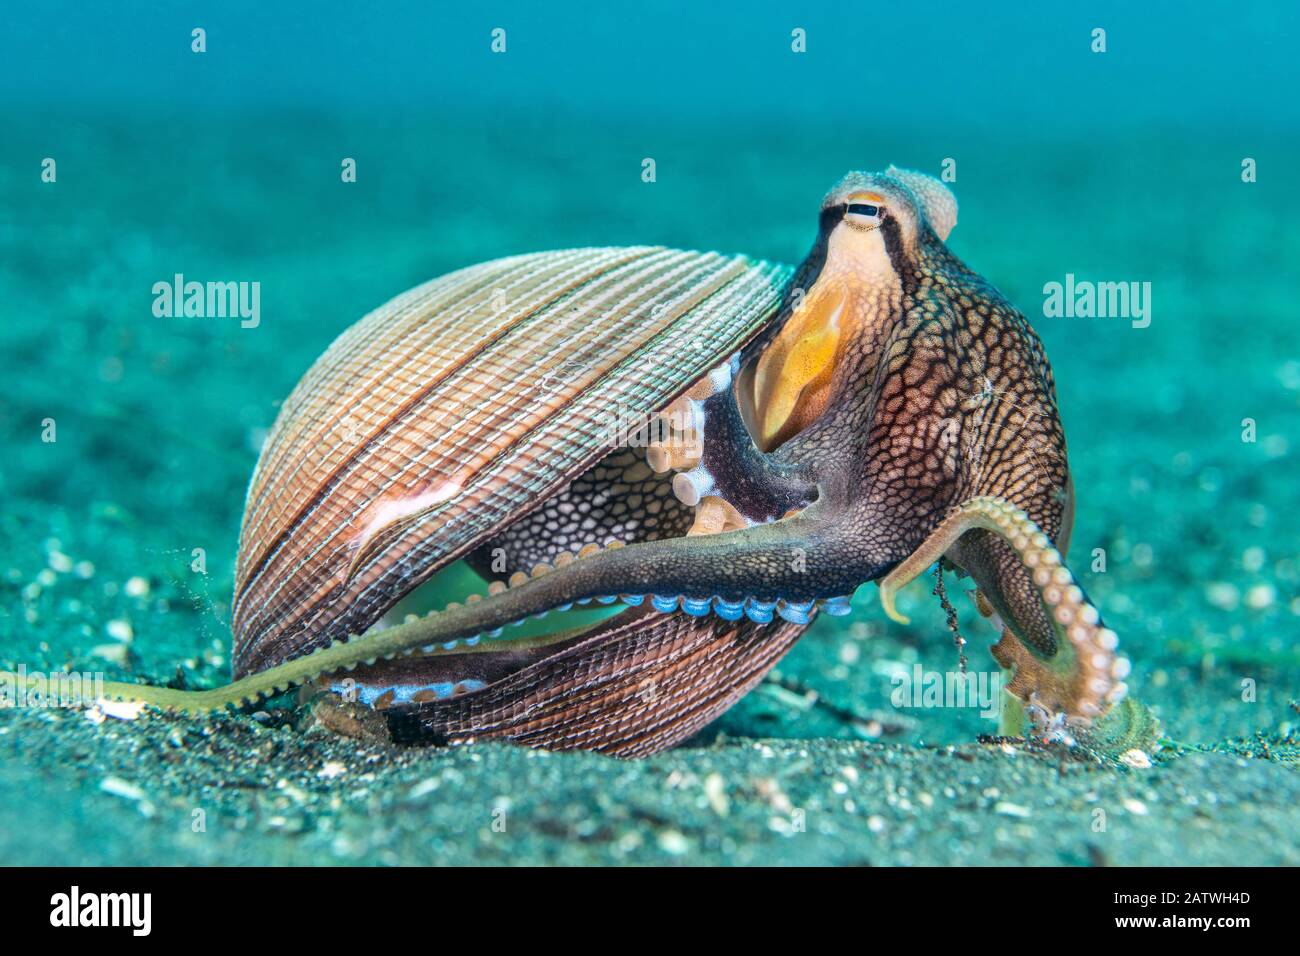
{"points": [[867, 214], [871, 230]]}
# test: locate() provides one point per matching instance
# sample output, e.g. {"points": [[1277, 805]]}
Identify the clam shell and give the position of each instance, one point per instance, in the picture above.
{"points": [[633, 686], [452, 410]]}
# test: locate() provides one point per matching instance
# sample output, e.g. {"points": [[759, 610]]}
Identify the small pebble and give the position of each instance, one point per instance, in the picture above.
{"points": [[121, 788], [1261, 597], [116, 653], [118, 709], [715, 790], [1223, 595], [674, 842], [136, 587], [1135, 806], [1138, 759]]}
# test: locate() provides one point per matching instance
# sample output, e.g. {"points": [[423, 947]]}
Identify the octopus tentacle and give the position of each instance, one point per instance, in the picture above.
{"points": [[1084, 676], [720, 470], [786, 570]]}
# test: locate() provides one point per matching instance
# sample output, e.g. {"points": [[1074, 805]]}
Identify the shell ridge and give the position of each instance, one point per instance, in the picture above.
{"points": [[396, 419], [596, 448], [269, 550]]}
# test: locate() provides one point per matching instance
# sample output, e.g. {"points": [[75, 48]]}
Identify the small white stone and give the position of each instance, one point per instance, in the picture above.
{"points": [[715, 789], [121, 788], [1223, 595], [121, 709], [115, 653], [672, 841], [1261, 597], [1137, 759]]}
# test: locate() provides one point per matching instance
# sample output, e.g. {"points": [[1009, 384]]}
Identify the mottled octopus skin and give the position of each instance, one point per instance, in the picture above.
{"points": [[903, 412]]}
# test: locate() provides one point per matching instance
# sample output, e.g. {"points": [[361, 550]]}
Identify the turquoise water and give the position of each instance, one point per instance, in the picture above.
{"points": [[1116, 166]]}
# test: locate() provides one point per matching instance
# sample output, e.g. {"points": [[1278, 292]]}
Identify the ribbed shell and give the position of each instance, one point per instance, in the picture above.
{"points": [[450, 411], [593, 696]]}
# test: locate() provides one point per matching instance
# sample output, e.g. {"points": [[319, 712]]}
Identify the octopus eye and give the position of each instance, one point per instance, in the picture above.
{"points": [[861, 215]]}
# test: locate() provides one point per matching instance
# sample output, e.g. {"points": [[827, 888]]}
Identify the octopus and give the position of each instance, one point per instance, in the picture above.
{"points": [[896, 413]]}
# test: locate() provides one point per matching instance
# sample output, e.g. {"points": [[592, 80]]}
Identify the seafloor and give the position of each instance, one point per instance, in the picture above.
{"points": [[158, 422]]}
